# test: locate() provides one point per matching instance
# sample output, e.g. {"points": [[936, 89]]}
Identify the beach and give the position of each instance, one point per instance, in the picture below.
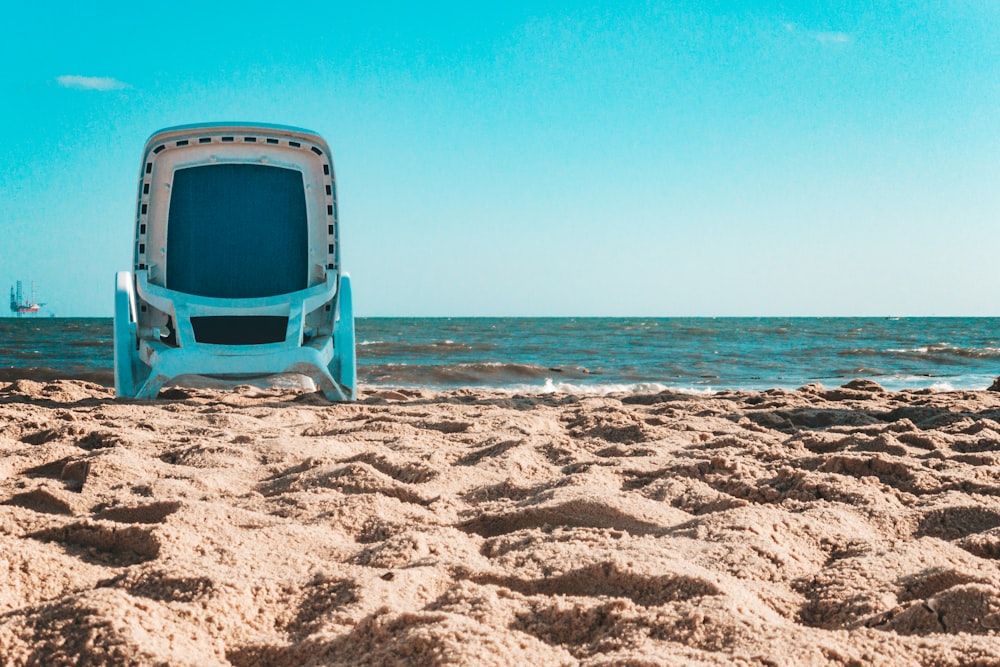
{"points": [[842, 525]]}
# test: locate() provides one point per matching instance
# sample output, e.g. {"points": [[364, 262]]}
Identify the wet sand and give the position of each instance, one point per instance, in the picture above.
{"points": [[846, 526]]}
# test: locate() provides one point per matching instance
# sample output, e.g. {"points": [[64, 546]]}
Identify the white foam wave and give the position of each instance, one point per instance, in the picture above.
{"points": [[936, 348], [951, 383], [923, 349], [552, 387]]}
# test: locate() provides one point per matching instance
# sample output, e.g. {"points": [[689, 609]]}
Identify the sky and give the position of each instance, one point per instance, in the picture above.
{"points": [[656, 158]]}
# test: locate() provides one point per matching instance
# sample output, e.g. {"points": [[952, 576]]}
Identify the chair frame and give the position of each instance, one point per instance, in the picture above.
{"points": [[154, 341]]}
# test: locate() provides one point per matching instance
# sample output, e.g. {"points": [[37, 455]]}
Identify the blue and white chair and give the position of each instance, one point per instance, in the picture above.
{"points": [[237, 271]]}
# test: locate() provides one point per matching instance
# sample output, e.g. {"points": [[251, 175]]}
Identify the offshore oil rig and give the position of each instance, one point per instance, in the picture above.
{"points": [[21, 306]]}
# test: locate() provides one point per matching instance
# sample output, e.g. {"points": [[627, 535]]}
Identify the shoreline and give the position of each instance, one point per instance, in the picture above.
{"points": [[839, 525], [550, 385]]}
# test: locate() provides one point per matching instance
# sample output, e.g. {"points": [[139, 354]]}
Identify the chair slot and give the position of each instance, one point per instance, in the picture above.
{"points": [[239, 329]]}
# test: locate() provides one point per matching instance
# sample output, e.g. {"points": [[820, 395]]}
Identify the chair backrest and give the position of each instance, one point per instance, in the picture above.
{"points": [[236, 211]]}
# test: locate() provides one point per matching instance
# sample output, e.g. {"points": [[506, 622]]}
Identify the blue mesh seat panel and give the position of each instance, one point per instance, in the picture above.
{"points": [[237, 231]]}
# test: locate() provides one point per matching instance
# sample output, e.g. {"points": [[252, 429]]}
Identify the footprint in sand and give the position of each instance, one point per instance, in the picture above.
{"points": [[610, 580], [41, 500], [576, 513], [149, 513], [160, 586], [952, 523], [103, 544]]}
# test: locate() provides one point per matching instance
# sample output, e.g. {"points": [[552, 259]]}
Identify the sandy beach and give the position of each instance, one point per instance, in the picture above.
{"points": [[823, 526]]}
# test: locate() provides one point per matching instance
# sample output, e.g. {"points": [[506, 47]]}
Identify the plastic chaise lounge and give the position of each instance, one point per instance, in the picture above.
{"points": [[236, 272]]}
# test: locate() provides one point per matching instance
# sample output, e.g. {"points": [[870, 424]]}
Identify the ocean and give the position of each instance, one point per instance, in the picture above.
{"points": [[596, 355]]}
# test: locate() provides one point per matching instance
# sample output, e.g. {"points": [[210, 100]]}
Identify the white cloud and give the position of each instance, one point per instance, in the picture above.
{"points": [[90, 82], [830, 38]]}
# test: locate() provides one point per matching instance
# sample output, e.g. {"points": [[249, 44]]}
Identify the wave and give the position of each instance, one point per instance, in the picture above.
{"points": [[549, 386], [945, 349], [93, 343], [468, 374], [382, 348], [933, 351], [601, 389], [21, 354]]}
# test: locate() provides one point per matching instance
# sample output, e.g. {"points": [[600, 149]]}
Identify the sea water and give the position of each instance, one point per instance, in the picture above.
{"points": [[593, 354]]}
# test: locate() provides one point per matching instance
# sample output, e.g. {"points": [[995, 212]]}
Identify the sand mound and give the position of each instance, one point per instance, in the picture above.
{"points": [[847, 526]]}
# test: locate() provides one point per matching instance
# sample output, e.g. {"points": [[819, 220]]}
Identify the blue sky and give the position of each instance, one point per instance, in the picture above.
{"points": [[545, 158]]}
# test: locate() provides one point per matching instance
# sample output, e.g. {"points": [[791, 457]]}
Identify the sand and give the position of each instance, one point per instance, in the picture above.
{"points": [[847, 526]]}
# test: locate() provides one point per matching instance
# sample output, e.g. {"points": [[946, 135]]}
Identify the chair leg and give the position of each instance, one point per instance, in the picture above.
{"points": [[330, 389], [151, 387], [125, 351], [344, 366]]}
